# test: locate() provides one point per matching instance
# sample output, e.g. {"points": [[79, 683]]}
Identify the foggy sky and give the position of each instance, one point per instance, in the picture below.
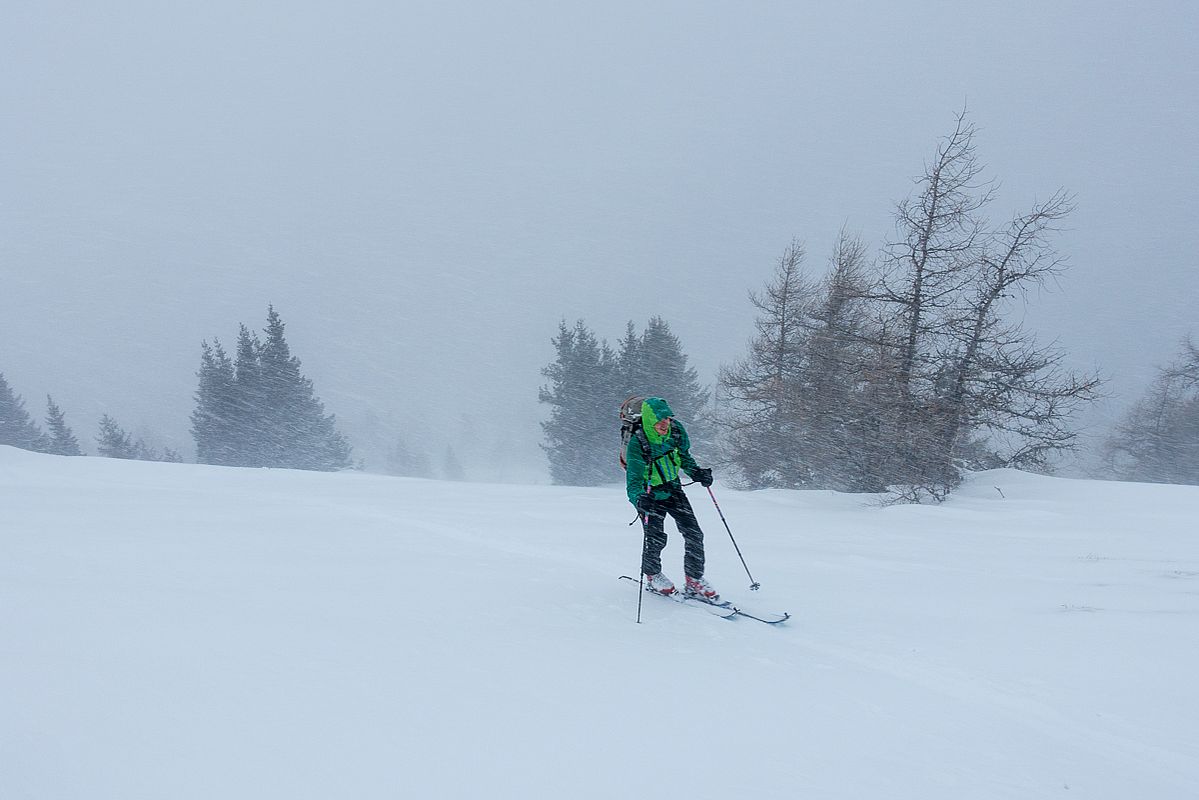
{"points": [[423, 190]]}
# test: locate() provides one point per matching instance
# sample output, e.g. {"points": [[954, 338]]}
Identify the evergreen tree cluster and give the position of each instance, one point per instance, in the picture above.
{"points": [[588, 381], [18, 429], [114, 442], [257, 409], [904, 371]]}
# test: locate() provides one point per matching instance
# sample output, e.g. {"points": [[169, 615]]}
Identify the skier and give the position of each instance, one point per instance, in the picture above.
{"points": [[654, 455]]}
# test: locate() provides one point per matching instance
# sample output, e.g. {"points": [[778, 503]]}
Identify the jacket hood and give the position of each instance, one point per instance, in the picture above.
{"points": [[654, 409]]}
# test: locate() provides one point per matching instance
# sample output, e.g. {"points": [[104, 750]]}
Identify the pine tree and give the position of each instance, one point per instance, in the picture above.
{"points": [[631, 374], [250, 407], [16, 427], [144, 452], [214, 420], [666, 374], [581, 439], [114, 442], [295, 431], [260, 410], [61, 441]]}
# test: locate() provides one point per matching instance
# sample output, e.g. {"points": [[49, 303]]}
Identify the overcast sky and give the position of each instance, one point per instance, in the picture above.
{"points": [[424, 189]]}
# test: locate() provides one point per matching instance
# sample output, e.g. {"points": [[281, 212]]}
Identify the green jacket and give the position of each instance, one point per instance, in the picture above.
{"points": [[667, 454]]}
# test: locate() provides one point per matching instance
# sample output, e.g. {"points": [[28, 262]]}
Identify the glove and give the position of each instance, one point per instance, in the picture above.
{"points": [[647, 506], [703, 475]]}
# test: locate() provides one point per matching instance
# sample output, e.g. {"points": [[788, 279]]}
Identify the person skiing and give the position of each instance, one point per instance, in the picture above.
{"points": [[654, 455]]}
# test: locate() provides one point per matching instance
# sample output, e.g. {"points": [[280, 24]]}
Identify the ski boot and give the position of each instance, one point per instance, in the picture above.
{"points": [[659, 583], [701, 589]]}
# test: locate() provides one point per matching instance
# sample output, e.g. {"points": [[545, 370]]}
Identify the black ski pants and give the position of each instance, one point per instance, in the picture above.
{"points": [[679, 507]]}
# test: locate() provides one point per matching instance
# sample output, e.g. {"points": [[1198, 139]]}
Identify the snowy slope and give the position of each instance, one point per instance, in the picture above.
{"points": [[182, 631]]}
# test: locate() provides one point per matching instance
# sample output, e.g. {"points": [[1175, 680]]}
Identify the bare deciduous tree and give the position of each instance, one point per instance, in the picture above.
{"points": [[838, 425], [927, 266], [908, 376], [1158, 439], [1003, 384], [760, 413], [978, 390]]}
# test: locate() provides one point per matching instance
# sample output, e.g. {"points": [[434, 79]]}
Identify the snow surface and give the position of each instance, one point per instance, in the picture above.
{"points": [[184, 631]]}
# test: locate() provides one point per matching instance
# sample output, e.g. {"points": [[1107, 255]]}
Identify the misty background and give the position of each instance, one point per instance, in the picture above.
{"points": [[424, 190]]}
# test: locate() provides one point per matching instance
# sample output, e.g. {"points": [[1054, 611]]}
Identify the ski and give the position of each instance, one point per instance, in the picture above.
{"points": [[769, 619], [725, 611], [722, 610]]}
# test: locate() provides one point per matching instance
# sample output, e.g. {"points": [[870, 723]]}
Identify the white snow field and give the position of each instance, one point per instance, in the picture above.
{"points": [[183, 631]]}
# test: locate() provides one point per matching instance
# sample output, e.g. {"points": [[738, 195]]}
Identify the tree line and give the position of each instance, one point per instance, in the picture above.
{"points": [[254, 409], [895, 372], [588, 380], [17, 428]]}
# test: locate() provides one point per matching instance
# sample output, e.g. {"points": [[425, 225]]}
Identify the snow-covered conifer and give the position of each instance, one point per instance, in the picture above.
{"points": [[60, 441], [16, 426], [114, 442], [581, 435]]}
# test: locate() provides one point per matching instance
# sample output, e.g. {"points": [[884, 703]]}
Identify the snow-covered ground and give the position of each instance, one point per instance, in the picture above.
{"points": [[182, 631]]}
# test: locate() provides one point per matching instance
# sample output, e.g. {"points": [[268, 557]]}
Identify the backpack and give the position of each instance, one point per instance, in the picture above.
{"points": [[630, 426]]}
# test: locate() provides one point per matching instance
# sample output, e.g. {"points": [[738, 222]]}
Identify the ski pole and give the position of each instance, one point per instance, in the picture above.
{"points": [[640, 589], [644, 519], [640, 592], [753, 585], [640, 576]]}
